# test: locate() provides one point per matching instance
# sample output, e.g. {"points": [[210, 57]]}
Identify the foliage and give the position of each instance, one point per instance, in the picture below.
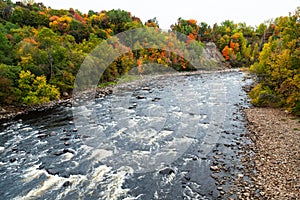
{"points": [[8, 77], [263, 96], [49, 46], [278, 67], [35, 90]]}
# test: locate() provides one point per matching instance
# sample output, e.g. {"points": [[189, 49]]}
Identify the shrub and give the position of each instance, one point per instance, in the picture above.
{"points": [[264, 96], [35, 90]]}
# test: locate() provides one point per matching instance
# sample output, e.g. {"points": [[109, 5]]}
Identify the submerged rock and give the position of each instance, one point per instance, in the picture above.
{"points": [[53, 133], [67, 184], [140, 97], [52, 171], [59, 152], [42, 135], [167, 171], [65, 138]]}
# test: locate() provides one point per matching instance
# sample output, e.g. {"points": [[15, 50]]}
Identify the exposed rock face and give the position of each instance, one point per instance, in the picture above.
{"points": [[213, 57]]}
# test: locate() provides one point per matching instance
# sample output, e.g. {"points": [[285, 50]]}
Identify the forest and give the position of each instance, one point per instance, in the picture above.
{"points": [[42, 49]]}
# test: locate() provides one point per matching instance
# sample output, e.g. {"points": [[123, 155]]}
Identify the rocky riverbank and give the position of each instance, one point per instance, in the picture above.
{"points": [[275, 153], [10, 111]]}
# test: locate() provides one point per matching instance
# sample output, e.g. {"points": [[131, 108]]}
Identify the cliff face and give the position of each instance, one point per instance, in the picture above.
{"points": [[212, 57]]}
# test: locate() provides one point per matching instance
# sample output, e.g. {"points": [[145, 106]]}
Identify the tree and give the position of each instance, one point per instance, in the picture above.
{"points": [[8, 82], [278, 64]]}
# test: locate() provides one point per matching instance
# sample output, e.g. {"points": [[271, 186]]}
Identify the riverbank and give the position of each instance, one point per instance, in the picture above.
{"points": [[276, 159]]}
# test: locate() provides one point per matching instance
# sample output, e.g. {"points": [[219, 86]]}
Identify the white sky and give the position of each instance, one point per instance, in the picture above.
{"points": [[253, 12]]}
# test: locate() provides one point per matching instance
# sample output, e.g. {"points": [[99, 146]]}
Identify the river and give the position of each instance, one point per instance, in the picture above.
{"points": [[173, 137]]}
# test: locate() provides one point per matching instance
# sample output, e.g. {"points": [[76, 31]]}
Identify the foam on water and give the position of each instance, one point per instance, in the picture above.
{"points": [[172, 127], [50, 183]]}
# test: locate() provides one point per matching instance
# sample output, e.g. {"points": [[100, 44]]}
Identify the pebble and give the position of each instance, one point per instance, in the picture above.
{"points": [[214, 176], [2, 149], [53, 133], [240, 175], [246, 194], [214, 168], [145, 88], [65, 94], [219, 188]]}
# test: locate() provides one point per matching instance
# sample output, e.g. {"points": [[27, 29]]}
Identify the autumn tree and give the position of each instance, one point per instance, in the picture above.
{"points": [[278, 66]]}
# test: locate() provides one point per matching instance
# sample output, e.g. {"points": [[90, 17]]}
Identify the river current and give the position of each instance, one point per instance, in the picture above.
{"points": [[153, 140]]}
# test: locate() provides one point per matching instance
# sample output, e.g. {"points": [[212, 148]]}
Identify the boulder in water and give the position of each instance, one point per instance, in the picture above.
{"points": [[167, 171]]}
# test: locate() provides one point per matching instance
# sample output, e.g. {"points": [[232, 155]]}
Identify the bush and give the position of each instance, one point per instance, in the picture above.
{"points": [[264, 96], [35, 90]]}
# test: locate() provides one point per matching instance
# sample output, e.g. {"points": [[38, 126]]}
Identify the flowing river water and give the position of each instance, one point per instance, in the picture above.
{"points": [[173, 137]]}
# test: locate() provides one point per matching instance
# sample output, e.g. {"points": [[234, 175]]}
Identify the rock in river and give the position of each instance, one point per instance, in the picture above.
{"points": [[167, 171]]}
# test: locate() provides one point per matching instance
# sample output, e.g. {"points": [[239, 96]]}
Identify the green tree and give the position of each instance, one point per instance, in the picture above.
{"points": [[8, 82], [5, 49]]}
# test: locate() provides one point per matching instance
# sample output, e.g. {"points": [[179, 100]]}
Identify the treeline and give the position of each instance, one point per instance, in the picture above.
{"points": [[41, 49]]}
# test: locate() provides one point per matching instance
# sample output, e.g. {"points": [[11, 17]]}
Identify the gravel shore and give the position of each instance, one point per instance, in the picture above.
{"points": [[276, 146]]}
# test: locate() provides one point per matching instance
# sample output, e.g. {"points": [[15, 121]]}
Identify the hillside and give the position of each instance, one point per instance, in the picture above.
{"points": [[42, 49]]}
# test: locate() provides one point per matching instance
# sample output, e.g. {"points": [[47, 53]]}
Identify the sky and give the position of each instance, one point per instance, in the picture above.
{"points": [[253, 12]]}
